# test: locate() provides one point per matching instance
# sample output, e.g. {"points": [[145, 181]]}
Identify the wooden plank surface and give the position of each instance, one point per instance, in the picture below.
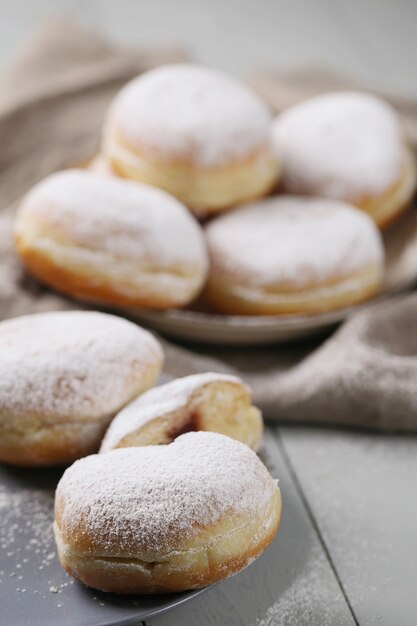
{"points": [[292, 583], [361, 489]]}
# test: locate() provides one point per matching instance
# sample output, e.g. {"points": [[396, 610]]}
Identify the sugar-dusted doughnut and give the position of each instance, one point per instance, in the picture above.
{"points": [[348, 146], [165, 518], [210, 402], [291, 254], [197, 133], [63, 376], [111, 241]]}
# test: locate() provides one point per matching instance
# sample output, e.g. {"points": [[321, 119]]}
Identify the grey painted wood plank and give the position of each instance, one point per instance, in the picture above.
{"points": [[362, 490], [292, 583]]}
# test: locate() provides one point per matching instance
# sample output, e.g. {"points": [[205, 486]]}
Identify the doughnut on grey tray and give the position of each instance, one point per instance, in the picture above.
{"points": [[165, 518]]}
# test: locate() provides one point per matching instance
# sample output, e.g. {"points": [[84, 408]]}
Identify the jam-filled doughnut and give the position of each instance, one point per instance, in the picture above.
{"points": [[111, 241], [210, 402], [291, 254], [199, 134], [165, 518], [63, 376], [348, 146]]}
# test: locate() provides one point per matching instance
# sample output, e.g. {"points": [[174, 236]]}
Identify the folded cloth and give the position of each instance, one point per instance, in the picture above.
{"points": [[53, 98], [364, 375]]}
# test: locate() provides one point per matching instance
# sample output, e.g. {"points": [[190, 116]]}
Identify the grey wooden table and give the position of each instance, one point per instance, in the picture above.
{"points": [[346, 552]]}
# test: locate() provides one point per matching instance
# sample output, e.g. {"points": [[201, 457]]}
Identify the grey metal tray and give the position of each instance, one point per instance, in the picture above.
{"points": [[34, 589]]}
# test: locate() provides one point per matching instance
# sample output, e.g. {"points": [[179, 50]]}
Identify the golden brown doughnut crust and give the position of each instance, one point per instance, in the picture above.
{"points": [[386, 208], [206, 191], [224, 296]]}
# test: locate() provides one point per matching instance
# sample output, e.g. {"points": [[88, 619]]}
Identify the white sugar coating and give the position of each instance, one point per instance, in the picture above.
{"points": [[342, 145], [152, 497], [290, 240], [72, 365], [127, 220], [191, 112], [158, 402]]}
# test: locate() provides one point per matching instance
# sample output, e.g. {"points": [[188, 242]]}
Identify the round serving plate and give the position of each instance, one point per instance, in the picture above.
{"points": [[401, 274]]}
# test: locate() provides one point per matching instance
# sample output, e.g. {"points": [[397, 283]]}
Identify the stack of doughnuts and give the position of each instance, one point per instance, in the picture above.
{"points": [[162, 507], [173, 209]]}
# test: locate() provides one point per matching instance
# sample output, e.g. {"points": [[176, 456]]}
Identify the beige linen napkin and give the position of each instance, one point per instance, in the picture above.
{"points": [[53, 98]]}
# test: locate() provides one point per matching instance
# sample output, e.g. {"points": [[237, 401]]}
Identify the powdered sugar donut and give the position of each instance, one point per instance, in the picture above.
{"points": [[209, 402], [198, 134], [292, 254], [111, 241], [62, 378], [165, 518], [348, 146]]}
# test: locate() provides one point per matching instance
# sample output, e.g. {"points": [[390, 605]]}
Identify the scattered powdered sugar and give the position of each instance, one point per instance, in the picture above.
{"points": [[132, 500], [191, 112], [293, 240], [343, 145], [26, 527], [27, 547], [158, 402], [361, 488], [127, 220], [311, 599], [71, 365]]}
